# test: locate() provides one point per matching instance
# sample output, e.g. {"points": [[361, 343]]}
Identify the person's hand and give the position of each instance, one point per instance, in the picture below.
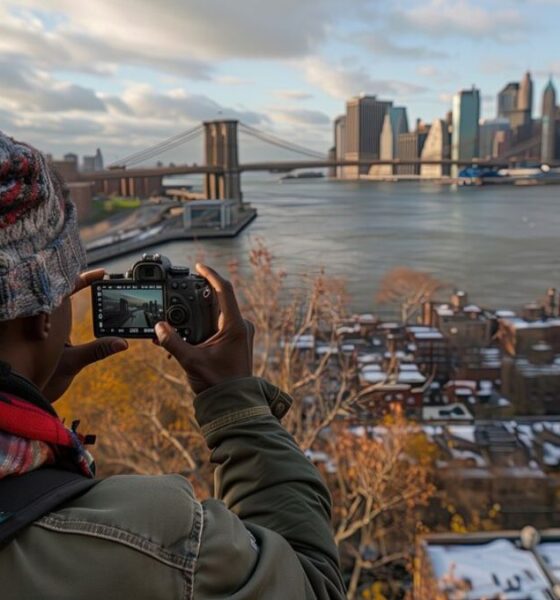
{"points": [[227, 355], [76, 358]]}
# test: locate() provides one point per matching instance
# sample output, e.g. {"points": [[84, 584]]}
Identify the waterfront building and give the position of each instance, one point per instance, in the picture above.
{"points": [[517, 335], [465, 325], [88, 164], [93, 163], [515, 103], [364, 121], [332, 157], [98, 163], [394, 124], [409, 146], [549, 115], [502, 143], [525, 97], [497, 564], [508, 100], [465, 137], [488, 129], [71, 158], [436, 147], [340, 142], [532, 382], [431, 351]]}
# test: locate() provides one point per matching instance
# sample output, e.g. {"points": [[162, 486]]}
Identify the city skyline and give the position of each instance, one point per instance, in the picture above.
{"points": [[77, 77]]}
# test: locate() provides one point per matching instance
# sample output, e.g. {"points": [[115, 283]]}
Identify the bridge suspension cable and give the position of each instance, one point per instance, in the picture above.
{"points": [[156, 149], [269, 138]]}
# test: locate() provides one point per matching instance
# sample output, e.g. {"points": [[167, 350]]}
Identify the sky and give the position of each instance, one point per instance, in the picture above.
{"points": [[124, 74]]}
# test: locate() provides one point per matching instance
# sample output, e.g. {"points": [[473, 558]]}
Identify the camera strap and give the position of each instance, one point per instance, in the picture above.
{"points": [[28, 497]]}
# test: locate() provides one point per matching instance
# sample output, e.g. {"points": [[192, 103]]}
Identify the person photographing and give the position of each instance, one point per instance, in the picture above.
{"points": [[266, 534]]}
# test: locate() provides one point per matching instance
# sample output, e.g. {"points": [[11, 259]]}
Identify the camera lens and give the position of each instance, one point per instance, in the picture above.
{"points": [[177, 315]]}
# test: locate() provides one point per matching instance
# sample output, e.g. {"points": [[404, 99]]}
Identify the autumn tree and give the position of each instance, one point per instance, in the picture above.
{"points": [[408, 289]]}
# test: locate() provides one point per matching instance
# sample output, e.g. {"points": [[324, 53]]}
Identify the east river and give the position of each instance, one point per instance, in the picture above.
{"points": [[500, 243]]}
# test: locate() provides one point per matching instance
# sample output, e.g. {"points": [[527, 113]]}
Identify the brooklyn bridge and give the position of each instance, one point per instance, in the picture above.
{"points": [[222, 168]]}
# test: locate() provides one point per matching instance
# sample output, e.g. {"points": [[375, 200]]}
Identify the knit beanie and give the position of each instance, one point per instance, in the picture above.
{"points": [[40, 250]]}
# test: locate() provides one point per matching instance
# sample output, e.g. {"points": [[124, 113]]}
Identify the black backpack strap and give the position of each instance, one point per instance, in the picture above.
{"points": [[26, 498]]}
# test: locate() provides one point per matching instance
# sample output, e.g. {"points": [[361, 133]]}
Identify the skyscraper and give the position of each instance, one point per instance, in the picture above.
{"points": [[548, 148], [436, 147], [465, 137], [340, 142], [488, 128], [364, 121], [525, 97], [409, 146], [394, 123], [508, 100]]}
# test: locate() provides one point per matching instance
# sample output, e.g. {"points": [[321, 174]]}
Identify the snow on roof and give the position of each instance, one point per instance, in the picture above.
{"points": [[370, 368], [505, 314], [455, 411], [550, 552], [428, 335], [373, 377], [411, 377], [551, 453], [495, 570], [323, 349], [468, 455], [366, 318], [445, 312], [370, 357], [472, 308], [348, 329], [408, 367], [462, 383], [465, 432]]}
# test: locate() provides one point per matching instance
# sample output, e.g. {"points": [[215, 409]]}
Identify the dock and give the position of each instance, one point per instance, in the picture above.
{"points": [[170, 234]]}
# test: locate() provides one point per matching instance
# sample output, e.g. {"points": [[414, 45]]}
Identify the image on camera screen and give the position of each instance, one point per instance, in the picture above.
{"points": [[129, 309]]}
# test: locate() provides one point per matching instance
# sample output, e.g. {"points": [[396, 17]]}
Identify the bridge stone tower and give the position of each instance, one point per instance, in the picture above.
{"points": [[221, 151]]}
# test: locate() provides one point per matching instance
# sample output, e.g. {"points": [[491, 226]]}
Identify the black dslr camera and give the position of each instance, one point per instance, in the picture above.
{"points": [[153, 290]]}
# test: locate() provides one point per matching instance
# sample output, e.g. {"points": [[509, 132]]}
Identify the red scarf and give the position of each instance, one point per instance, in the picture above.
{"points": [[31, 438]]}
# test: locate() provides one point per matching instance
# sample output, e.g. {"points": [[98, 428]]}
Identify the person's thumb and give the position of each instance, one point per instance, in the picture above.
{"points": [[169, 339], [86, 354]]}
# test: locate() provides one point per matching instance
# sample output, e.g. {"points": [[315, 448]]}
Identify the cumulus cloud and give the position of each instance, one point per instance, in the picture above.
{"points": [[342, 82], [31, 90], [292, 94], [381, 45], [295, 116], [174, 33], [445, 18]]}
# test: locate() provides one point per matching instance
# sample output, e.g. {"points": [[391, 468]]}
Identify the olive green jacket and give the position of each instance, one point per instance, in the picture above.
{"points": [[266, 535]]}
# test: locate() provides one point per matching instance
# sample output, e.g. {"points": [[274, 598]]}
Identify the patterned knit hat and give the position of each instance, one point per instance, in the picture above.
{"points": [[40, 249]]}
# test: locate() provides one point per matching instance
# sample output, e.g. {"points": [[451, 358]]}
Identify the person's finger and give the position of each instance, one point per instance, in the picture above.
{"points": [[171, 341], [87, 354], [224, 291], [84, 280]]}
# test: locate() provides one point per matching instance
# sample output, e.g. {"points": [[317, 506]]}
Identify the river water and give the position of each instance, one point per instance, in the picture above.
{"points": [[498, 243]]}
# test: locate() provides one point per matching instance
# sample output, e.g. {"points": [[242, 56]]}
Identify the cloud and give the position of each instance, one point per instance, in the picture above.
{"points": [[294, 116], [232, 80], [177, 34], [76, 48], [293, 94], [31, 90], [381, 45], [341, 82], [448, 18]]}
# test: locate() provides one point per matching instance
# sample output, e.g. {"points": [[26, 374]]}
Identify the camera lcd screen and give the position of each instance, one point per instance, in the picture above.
{"points": [[128, 309]]}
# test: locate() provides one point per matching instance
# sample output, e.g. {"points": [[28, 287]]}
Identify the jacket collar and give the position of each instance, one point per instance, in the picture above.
{"points": [[21, 387]]}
